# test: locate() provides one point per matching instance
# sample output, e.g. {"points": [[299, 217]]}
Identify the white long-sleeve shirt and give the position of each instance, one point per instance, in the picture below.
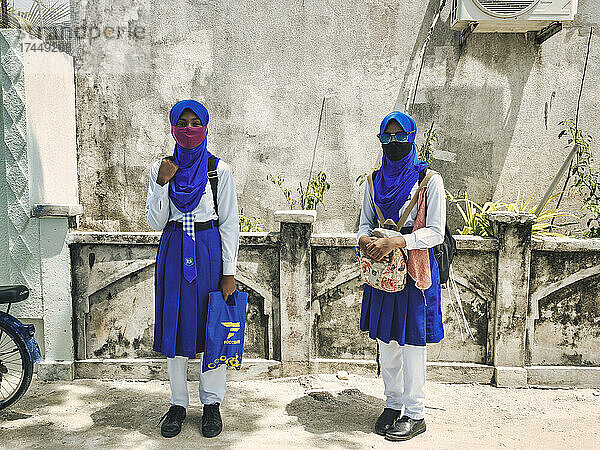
{"points": [[160, 209], [431, 234]]}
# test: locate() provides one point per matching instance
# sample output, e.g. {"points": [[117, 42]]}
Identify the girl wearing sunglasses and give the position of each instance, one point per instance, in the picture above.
{"points": [[403, 322]]}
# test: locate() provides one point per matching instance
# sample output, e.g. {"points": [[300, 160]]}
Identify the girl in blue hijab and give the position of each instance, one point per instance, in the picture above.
{"points": [[196, 255], [402, 322], [400, 164]]}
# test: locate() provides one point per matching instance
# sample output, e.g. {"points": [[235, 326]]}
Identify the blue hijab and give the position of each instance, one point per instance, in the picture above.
{"points": [[395, 179], [187, 186]]}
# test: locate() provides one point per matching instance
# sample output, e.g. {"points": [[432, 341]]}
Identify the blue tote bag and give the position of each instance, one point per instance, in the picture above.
{"points": [[225, 325]]}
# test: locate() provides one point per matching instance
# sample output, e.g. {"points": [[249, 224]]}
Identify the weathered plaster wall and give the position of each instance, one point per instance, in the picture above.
{"points": [[337, 299], [38, 186], [263, 69], [114, 298], [113, 295], [565, 302], [529, 304]]}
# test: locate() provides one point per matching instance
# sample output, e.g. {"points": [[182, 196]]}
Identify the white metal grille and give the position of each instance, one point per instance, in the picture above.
{"points": [[506, 8]]}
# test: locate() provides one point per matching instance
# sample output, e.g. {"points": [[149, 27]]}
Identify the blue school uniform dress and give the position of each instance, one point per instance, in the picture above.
{"points": [[409, 316], [190, 262], [404, 316]]}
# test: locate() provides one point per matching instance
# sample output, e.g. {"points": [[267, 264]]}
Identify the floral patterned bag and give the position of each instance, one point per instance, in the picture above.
{"points": [[388, 274]]}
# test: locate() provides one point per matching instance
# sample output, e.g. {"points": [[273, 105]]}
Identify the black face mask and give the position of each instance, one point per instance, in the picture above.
{"points": [[396, 150]]}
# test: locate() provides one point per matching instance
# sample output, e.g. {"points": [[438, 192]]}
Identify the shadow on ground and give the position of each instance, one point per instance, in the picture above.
{"points": [[89, 413], [323, 412]]}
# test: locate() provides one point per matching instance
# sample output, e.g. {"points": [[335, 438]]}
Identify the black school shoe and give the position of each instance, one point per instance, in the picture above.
{"points": [[212, 425], [173, 419], [405, 429], [386, 420]]}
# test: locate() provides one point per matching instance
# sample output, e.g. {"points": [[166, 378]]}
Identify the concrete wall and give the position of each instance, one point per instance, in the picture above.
{"points": [[565, 302], [38, 187], [263, 69], [530, 305]]}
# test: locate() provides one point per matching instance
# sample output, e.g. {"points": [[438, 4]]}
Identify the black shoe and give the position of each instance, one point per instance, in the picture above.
{"points": [[211, 421], [405, 429], [386, 420], [173, 420]]}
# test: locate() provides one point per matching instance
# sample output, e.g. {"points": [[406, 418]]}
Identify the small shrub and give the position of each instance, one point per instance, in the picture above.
{"points": [[309, 196], [251, 223], [586, 178], [477, 224]]}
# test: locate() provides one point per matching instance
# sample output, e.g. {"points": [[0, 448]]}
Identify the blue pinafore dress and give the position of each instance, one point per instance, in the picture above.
{"points": [[409, 316], [181, 307]]}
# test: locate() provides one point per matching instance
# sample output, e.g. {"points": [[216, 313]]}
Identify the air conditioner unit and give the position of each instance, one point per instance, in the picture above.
{"points": [[510, 16]]}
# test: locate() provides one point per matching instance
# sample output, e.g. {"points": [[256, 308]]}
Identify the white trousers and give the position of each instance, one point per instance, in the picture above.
{"points": [[403, 372], [211, 387]]}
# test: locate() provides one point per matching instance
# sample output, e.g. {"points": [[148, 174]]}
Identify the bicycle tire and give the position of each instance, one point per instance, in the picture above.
{"points": [[26, 363]]}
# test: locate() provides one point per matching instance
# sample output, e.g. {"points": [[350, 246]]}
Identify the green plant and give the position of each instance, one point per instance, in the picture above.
{"points": [[543, 225], [586, 178], [473, 214], [251, 223], [309, 196], [477, 224], [428, 146]]}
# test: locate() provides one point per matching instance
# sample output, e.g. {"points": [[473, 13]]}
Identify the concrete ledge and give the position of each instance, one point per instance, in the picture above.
{"points": [[294, 368], [295, 215], [257, 238], [55, 371], [565, 244], [156, 369], [450, 372], [153, 238], [510, 217], [465, 242], [333, 239], [455, 372], [511, 377], [253, 369], [113, 237], [48, 210], [349, 240], [564, 376]]}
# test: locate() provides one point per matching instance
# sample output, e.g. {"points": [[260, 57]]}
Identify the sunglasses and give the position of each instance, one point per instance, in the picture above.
{"points": [[401, 136]]}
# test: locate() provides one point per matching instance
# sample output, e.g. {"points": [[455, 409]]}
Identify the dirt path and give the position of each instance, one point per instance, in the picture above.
{"points": [[318, 411]]}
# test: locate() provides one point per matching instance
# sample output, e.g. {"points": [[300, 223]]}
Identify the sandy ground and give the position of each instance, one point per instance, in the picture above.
{"points": [[317, 411]]}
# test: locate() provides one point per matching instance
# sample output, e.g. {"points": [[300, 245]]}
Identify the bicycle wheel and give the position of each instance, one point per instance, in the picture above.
{"points": [[16, 368]]}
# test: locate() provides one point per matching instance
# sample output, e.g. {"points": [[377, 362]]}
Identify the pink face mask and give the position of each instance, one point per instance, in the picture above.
{"points": [[189, 137]]}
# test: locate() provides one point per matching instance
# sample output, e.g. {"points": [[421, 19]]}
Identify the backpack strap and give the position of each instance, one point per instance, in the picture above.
{"points": [[424, 176], [411, 205], [372, 190], [214, 179]]}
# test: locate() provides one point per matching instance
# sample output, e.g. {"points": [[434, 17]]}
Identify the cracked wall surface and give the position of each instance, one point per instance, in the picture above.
{"points": [[263, 70]]}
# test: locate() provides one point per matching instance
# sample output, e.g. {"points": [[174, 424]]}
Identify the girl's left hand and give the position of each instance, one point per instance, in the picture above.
{"points": [[227, 286], [380, 247]]}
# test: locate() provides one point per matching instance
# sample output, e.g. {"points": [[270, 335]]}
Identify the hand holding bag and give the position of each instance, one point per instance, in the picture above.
{"points": [[225, 326], [389, 273]]}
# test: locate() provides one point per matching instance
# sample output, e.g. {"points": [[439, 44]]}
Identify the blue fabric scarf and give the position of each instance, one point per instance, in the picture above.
{"points": [[188, 184], [395, 179]]}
